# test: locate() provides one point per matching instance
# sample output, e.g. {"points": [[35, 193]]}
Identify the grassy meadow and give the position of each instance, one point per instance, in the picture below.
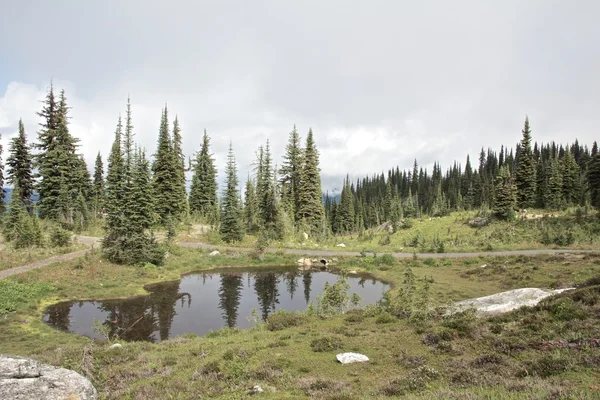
{"points": [[293, 355]]}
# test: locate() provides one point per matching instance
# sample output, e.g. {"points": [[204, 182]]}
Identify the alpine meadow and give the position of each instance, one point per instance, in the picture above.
{"points": [[277, 201]]}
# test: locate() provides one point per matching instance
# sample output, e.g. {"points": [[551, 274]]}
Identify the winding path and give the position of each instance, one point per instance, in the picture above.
{"points": [[91, 241]]}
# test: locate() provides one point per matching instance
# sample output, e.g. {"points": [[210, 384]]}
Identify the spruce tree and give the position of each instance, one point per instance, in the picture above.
{"points": [[20, 228], [290, 172], [505, 194], [2, 206], [115, 184], [144, 216], [163, 170], [203, 191], [554, 194], [19, 167], [180, 203], [231, 228], [310, 196], [345, 209], [571, 184], [525, 174], [251, 210], [99, 189], [593, 176]]}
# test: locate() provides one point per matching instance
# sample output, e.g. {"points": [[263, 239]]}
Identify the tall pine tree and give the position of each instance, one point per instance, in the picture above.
{"points": [[163, 170], [525, 176], [203, 191], [231, 228], [99, 189], [310, 196], [20, 168], [290, 172], [180, 203]]}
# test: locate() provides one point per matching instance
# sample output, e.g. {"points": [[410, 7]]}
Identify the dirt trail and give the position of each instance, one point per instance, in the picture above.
{"points": [[86, 240], [91, 241]]}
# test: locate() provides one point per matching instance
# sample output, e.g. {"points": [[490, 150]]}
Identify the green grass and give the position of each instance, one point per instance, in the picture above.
{"points": [[294, 356]]}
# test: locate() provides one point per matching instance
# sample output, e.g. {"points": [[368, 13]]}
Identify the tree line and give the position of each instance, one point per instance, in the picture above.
{"points": [[543, 176], [139, 193]]}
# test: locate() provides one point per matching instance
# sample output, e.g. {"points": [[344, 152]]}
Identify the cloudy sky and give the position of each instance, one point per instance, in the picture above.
{"points": [[380, 82]]}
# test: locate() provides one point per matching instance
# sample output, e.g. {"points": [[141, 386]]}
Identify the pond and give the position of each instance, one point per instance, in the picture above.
{"points": [[204, 302]]}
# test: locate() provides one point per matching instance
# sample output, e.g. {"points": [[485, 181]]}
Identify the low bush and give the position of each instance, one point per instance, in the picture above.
{"points": [[326, 343], [284, 319]]}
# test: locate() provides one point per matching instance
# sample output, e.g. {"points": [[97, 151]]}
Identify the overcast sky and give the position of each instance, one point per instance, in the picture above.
{"points": [[380, 82]]}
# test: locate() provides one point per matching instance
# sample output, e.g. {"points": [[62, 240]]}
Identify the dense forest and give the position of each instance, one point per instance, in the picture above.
{"points": [[137, 194]]}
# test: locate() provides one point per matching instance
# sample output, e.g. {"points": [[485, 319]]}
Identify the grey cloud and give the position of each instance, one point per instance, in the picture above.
{"points": [[431, 80]]}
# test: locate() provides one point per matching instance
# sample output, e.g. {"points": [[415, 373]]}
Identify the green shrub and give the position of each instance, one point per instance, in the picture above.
{"points": [[13, 294], [385, 318], [326, 343], [283, 319], [60, 237]]}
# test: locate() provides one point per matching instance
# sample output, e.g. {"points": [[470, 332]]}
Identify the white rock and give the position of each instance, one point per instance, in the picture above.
{"points": [[483, 266], [352, 272], [115, 346], [256, 389], [349, 358], [341, 245], [305, 235], [214, 253], [26, 379], [507, 301]]}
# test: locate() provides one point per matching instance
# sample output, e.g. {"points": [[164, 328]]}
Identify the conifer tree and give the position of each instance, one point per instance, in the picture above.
{"points": [[231, 219], [180, 203], [2, 206], [345, 209], [203, 191], [525, 175], [115, 188], [163, 170], [19, 167], [99, 189], [553, 195], [594, 179], [20, 228], [571, 186], [144, 216], [505, 194], [251, 210], [310, 195], [290, 171]]}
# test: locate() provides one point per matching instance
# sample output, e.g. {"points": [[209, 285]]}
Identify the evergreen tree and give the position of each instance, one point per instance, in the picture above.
{"points": [[251, 210], [594, 179], [554, 194], [525, 176], [310, 195], [180, 203], [2, 206], [144, 216], [99, 190], [115, 179], [571, 187], [290, 171], [345, 209], [505, 194], [163, 170], [20, 228], [20, 170], [203, 191], [231, 220]]}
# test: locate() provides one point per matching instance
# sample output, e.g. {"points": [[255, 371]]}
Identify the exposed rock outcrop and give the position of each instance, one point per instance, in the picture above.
{"points": [[26, 379]]}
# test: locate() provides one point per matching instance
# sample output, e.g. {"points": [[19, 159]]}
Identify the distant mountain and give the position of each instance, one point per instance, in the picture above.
{"points": [[8, 195]]}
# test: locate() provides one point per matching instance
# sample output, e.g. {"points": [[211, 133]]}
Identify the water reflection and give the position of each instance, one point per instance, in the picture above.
{"points": [[220, 299]]}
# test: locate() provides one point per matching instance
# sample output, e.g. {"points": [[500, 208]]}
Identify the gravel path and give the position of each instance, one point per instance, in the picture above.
{"points": [[91, 241], [87, 240]]}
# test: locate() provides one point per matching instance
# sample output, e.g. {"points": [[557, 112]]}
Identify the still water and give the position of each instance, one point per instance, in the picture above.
{"points": [[203, 302]]}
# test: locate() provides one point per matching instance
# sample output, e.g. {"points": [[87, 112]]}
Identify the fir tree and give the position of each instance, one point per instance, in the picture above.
{"points": [[231, 220], [571, 187], [2, 206], [99, 190], [163, 170], [19, 167], [554, 194], [20, 228], [525, 176], [144, 216], [251, 210], [594, 179], [345, 209], [180, 204], [505, 194], [310, 195], [290, 171], [203, 191]]}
